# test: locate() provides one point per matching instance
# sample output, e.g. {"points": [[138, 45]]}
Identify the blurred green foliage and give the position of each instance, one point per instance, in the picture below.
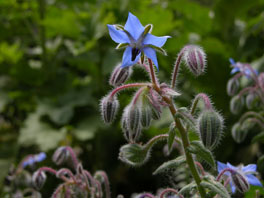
{"points": [[56, 57]]}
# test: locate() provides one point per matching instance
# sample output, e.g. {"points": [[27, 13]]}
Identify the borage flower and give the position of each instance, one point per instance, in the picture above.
{"points": [[32, 159], [236, 174], [137, 40], [240, 67]]}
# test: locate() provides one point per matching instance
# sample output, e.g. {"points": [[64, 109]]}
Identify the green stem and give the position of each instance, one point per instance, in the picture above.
{"points": [[184, 135], [42, 9]]}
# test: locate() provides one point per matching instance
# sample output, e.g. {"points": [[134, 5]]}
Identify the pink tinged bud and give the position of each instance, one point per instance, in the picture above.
{"points": [[195, 59], [232, 86], [210, 126], [61, 155], [240, 182], [120, 75], [39, 179], [146, 116], [238, 133], [236, 104], [251, 100], [109, 108]]}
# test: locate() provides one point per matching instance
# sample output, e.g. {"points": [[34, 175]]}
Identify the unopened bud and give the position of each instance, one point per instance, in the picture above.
{"points": [[133, 154], [236, 104], [238, 134], [251, 100], [120, 75], [146, 116], [261, 80], [155, 113], [232, 86], [131, 123], [240, 182], [210, 126], [195, 59], [39, 179], [109, 108], [60, 155]]}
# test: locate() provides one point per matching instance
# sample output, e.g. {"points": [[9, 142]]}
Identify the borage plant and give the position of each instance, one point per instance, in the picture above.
{"points": [[148, 103]]}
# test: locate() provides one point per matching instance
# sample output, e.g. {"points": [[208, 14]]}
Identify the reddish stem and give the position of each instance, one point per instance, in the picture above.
{"points": [[152, 74], [223, 171], [116, 90], [200, 167], [170, 190], [73, 156]]}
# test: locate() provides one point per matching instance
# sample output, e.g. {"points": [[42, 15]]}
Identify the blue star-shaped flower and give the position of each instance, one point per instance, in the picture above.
{"points": [[247, 171], [32, 159], [137, 40], [239, 67]]}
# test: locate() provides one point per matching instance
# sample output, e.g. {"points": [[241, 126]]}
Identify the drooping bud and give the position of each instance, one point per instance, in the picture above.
{"points": [[195, 59], [238, 134], [261, 80], [240, 181], [236, 104], [39, 179], [60, 155], [131, 122], [146, 116], [210, 127], [109, 108], [251, 100], [155, 113], [133, 154], [232, 86], [120, 75]]}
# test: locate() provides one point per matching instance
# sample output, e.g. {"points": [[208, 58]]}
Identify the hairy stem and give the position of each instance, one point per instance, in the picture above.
{"points": [[132, 85]]}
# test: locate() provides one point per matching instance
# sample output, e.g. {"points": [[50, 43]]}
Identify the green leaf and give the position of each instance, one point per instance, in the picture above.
{"points": [[216, 187], [183, 114], [197, 147], [171, 137], [188, 188], [170, 164], [258, 138]]}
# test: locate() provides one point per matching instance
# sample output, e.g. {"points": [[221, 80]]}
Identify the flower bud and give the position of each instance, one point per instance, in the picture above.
{"points": [[146, 116], [236, 104], [251, 100], [240, 181], [109, 108], [261, 80], [39, 179], [195, 59], [210, 126], [131, 123], [232, 86], [155, 113], [60, 155], [133, 154], [120, 75], [238, 134]]}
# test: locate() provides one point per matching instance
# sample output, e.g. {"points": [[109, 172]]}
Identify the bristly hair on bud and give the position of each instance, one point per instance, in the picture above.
{"points": [[240, 181], [109, 108], [238, 133], [38, 179], [120, 75], [61, 155], [236, 104], [210, 127], [195, 59], [232, 86]]}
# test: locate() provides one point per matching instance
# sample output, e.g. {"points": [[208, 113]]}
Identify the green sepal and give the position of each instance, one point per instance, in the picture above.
{"points": [[216, 187], [184, 114], [119, 27], [121, 45], [148, 29], [179, 161], [158, 49], [197, 147], [188, 188], [258, 138]]}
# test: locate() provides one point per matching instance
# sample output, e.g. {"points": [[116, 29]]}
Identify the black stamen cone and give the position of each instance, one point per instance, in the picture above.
{"points": [[135, 52]]}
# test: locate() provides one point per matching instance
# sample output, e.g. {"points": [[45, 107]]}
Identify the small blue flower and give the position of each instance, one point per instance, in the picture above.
{"points": [[239, 67], [248, 171], [137, 40], [32, 159]]}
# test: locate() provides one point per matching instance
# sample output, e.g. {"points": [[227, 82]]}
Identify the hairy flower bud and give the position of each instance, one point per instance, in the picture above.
{"points": [[210, 126], [146, 116], [238, 133], [232, 86], [195, 59], [131, 122], [109, 108], [261, 80], [39, 179], [120, 75], [236, 104], [251, 100], [240, 181], [60, 155], [133, 154]]}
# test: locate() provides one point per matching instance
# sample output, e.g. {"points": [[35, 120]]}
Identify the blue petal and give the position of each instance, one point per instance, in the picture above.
{"points": [[253, 180], [158, 41], [231, 166], [151, 53], [221, 166], [231, 60], [119, 36], [40, 157], [233, 188], [133, 26], [126, 61], [250, 168], [234, 70]]}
